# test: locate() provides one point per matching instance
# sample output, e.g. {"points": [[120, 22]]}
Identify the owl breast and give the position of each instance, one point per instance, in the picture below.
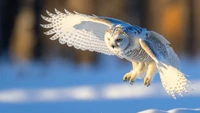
{"points": [[137, 54]]}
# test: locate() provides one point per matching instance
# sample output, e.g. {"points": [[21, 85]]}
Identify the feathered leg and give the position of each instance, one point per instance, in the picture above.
{"points": [[131, 76], [127, 76], [143, 72], [151, 71]]}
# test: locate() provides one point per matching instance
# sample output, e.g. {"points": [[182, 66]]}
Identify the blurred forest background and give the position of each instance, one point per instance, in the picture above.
{"points": [[22, 38]]}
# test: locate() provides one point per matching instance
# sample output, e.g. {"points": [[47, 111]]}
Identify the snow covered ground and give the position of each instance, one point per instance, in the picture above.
{"points": [[177, 110], [62, 87]]}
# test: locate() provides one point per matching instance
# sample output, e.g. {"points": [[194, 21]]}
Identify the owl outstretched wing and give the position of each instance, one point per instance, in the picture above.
{"points": [[81, 31], [167, 62]]}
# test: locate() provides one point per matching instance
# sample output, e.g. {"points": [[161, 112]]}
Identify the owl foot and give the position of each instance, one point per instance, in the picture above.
{"points": [[131, 76], [127, 76], [147, 81]]}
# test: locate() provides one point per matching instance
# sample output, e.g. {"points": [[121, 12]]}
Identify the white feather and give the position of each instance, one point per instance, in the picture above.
{"points": [[173, 80], [172, 56], [50, 14], [160, 37], [81, 31]]}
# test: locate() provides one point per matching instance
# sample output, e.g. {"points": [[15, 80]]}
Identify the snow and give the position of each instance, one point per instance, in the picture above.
{"points": [[90, 92], [61, 87], [177, 110]]}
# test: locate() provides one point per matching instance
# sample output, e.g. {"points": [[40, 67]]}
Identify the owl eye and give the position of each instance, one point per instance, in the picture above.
{"points": [[108, 39], [119, 40]]}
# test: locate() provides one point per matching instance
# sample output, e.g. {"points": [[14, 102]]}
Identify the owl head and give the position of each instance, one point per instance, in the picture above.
{"points": [[116, 40]]}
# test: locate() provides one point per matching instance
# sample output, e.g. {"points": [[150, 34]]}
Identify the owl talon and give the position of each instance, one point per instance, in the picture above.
{"points": [[147, 81], [127, 77], [124, 79], [131, 82], [132, 79]]}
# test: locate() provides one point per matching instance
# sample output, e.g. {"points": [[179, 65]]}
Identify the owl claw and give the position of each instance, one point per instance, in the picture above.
{"points": [[130, 77], [124, 80], [147, 81], [127, 77], [131, 82]]}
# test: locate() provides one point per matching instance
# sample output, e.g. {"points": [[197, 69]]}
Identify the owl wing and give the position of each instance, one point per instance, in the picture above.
{"points": [[167, 62], [81, 31]]}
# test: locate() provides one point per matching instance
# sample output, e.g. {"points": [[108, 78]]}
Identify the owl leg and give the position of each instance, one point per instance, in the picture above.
{"points": [[131, 76], [127, 76], [138, 70], [151, 71], [142, 73]]}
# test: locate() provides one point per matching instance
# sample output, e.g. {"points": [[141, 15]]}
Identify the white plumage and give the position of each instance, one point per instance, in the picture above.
{"points": [[148, 51]]}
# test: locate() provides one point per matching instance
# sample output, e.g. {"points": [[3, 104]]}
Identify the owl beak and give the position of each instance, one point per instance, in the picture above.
{"points": [[113, 46]]}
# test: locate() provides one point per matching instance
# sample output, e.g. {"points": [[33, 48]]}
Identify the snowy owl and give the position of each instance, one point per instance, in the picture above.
{"points": [[148, 51]]}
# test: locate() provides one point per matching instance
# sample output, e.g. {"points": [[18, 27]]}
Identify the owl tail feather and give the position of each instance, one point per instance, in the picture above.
{"points": [[173, 80]]}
